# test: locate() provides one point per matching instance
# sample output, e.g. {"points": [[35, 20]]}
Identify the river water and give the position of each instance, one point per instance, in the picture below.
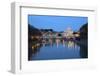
{"points": [[58, 50]]}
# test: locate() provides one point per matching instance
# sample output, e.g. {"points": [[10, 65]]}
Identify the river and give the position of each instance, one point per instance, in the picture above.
{"points": [[58, 49]]}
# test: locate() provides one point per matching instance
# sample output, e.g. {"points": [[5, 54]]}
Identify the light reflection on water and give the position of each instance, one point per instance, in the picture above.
{"points": [[58, 49]]}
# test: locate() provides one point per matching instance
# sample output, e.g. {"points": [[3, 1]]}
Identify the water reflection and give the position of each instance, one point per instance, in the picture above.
{"points": [[56, 49], [83, 52]]}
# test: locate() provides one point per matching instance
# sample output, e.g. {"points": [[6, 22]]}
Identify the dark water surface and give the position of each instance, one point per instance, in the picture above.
{"points": [[58, 50]]}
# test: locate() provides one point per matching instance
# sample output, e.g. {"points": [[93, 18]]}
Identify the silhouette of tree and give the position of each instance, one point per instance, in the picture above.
{"points": [[84, 31]]}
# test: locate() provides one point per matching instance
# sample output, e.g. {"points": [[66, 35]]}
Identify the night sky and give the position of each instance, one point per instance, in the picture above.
{"points": [[57, 23]]}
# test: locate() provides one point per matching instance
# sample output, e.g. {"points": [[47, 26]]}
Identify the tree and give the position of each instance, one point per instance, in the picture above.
{"points": [[84, 31]]}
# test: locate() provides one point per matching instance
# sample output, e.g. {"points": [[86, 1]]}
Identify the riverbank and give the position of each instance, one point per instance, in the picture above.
{"points": [[82, 42]]}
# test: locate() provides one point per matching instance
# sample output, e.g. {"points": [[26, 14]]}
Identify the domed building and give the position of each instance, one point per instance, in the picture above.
{"points": [[68, 33]]}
